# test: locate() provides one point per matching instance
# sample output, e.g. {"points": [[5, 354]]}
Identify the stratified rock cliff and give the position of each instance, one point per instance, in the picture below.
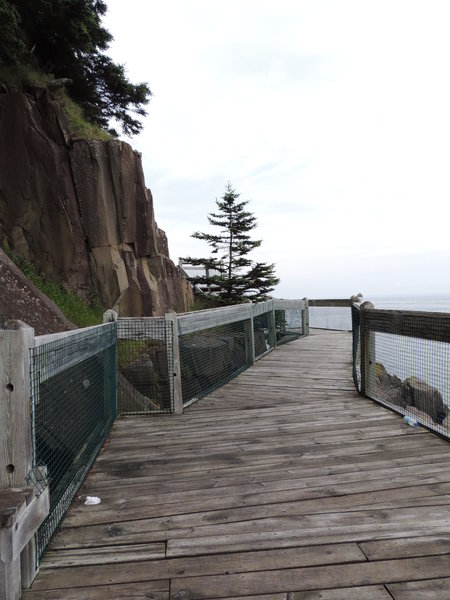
{"points": [[80, 211]]}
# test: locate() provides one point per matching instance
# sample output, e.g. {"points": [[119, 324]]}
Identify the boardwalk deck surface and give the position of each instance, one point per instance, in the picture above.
{"points": [[282, 485]]}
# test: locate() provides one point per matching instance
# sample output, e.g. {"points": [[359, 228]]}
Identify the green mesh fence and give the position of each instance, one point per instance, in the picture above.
{"points": [[263, 334], [288, 324], [145, 365], [405, 358], [211, 357], [73, 407]]}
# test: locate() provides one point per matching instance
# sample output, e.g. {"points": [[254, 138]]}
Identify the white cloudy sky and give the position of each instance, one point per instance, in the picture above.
{"points": [[332, 117]]}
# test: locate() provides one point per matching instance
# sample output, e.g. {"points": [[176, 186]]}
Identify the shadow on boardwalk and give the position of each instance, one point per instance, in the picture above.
{"points": [[282, 485]]}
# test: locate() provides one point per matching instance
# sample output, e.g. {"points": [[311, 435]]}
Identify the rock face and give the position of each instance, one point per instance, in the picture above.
{"points": [[80, 211]]}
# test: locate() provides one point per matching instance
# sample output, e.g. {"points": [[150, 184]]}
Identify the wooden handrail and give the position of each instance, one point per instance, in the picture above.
{"points": [[418, 324]]}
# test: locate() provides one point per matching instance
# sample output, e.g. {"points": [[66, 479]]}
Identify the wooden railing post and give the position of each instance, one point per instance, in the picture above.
{"points": [[305, 317], [16, 446], [175, 375], [16, 449], [367, 342]]}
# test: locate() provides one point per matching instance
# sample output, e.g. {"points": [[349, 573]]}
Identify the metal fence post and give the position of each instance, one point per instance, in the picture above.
{"points": [[305, 317], [175, 375]]}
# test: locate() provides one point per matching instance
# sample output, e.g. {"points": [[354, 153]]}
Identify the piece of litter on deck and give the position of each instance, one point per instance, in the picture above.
{"points": [[410, 421], [90, 500]]}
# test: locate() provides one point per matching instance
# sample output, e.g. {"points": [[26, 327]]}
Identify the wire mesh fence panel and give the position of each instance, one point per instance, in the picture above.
{"points": [[211, 357], [144, 366], [73, 407], [330, 317], [407, 363], [412, 375], [288, 324], [263, 334]]}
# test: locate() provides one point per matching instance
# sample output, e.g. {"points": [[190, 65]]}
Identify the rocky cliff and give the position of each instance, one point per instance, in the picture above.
{"points": [[79, 209], [20, 299]]}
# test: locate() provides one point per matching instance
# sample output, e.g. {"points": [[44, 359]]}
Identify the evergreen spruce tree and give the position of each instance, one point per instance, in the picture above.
{"points": [[230, 275]]}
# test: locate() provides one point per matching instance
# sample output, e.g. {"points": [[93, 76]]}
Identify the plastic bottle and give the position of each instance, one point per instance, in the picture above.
{"points": [[410, 421]]}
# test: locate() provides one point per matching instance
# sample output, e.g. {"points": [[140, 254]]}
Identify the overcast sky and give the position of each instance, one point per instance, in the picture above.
{"points": [[331, 117]]}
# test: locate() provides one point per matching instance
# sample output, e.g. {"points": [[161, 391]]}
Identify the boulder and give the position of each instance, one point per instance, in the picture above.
{"points": [[388, 387], [425, 398]]}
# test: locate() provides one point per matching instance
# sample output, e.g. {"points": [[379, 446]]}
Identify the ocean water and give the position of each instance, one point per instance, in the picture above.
{"points": [[340, 318], [401, 355], [424, 302]]}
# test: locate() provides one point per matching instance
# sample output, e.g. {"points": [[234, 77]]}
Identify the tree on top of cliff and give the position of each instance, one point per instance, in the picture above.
{"points": [[230, 275], [67, 39]]}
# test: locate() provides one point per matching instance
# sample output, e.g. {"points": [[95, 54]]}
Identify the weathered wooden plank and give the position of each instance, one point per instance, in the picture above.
{"points": [[282, 463], [335, 526], [268, 436], [285, 538], [312, 578], [221, 564], [431, 589], [281, 596], [156, 590], [372, 592], [405, 548], [200, 511], [262, 487], [105, 555]]}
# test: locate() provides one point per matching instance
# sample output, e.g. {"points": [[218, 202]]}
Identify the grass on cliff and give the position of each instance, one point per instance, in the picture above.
{"points": [[80, 127], [22, 76], [19, 76], [75, 309]]}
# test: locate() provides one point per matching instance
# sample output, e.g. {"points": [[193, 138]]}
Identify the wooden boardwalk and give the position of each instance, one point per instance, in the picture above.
{"points": [[282, 485]]}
